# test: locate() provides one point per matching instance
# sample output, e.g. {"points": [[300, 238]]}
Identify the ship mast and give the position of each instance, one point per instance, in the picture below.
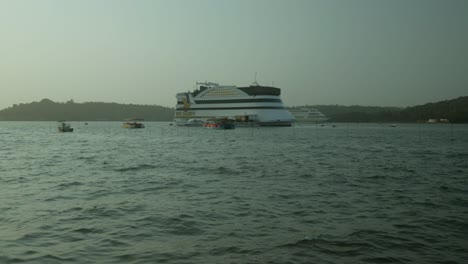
{"points": [[255, 83]]}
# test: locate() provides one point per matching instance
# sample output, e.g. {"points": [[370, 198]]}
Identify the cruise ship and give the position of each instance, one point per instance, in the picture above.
{"points": [[252, 105], [309, 115]]}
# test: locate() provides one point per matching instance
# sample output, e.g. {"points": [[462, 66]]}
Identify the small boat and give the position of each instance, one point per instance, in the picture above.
{"points": [[223, 123], [133, 124], [64, 127], [194, 122]]}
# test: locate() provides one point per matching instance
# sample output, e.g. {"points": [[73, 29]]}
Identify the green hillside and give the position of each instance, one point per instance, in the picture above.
{"points": [[47, 110], [455, 110]]}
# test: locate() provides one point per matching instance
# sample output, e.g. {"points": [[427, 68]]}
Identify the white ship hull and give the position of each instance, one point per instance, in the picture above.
{"points": [[254, 105], [308, 115]]}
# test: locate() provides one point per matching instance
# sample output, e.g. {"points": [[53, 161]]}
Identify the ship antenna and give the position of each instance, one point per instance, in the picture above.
{"points": [[255, 82]]}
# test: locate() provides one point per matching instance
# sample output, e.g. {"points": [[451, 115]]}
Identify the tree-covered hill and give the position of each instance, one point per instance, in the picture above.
{"points": [[356, 113], [47, 110], [455, 110]]}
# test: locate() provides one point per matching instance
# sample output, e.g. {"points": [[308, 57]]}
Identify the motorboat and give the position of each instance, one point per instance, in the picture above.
{"points": [[64, 127], [194, 122], [132, 123]]}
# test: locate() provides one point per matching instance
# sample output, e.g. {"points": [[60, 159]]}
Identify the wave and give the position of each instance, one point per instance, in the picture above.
{"points": [[219, 251], [84, 230], [136, 168], [385, 260], [335, 247], [69, 184], [182, 224], [49, 258]]}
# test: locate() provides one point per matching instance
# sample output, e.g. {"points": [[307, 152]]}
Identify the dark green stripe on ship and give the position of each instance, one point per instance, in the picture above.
{"points": [[234, 108], [237, 101]]}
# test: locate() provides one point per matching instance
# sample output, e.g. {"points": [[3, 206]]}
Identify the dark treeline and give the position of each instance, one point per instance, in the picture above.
{"points": [[47, 110], [455, 110], [337, 113]]}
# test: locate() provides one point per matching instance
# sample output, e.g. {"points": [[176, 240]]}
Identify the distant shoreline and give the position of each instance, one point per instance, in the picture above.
{"points": [[449, 111]]}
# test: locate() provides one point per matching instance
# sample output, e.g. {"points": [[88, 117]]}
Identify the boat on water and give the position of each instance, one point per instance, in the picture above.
{"points": [[308, 115], [194, 122], [223, 123], [132, 123], [64, 127], [247, 106], [437, 120]]}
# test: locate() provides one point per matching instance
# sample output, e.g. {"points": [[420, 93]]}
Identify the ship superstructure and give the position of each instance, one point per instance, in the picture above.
{"points": [[309, 115], [251, 105]]}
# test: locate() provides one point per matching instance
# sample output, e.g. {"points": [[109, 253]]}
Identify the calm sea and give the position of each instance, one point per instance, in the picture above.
{"points": [[353, 193]]}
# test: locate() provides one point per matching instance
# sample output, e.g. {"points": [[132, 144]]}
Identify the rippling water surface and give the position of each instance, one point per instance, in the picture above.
{"points": [[354, 193]]}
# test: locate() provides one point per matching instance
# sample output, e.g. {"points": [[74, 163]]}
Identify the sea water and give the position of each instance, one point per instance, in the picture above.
{"points": [[348, 193]]}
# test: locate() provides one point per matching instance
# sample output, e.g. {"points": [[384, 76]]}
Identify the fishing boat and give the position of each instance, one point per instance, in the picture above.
{"points": [[132, 123], [222, 123], [64, 127], [251, 105]]}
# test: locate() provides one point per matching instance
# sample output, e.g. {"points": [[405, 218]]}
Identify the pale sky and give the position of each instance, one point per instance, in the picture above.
{"points": [[365, 52]]}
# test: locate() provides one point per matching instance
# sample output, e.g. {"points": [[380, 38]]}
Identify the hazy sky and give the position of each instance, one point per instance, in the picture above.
{"points": [[366, 52]]}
